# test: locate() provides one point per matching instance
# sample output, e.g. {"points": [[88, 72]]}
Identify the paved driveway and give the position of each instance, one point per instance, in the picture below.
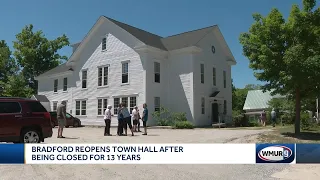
{"points": [[145, 172]]}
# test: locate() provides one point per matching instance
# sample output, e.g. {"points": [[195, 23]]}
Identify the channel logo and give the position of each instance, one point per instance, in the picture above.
{"points": [[275, 153]]}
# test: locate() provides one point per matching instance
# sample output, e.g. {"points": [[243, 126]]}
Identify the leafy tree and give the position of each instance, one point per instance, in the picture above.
{"points": [[252, 87], [8, 65], [286, 54], [16, 87], [36, 54]]}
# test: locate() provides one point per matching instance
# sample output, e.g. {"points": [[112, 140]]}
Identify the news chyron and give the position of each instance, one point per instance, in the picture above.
{"points": [[275, 153]]}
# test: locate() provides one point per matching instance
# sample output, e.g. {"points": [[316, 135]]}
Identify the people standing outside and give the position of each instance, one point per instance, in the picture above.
{"points": [[145, 118], [61, 116], [263, 118], [126, 119], [273, 117], [139, 117], [120, 122], [135, 118], [107, 120]]}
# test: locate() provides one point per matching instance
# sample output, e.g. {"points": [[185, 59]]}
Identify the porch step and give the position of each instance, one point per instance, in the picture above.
{"points": [[221, 125]]}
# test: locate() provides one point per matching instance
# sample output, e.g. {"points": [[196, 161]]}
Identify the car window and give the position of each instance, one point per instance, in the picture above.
{"points": [[36, 106], [10, 107], [68, 115]]}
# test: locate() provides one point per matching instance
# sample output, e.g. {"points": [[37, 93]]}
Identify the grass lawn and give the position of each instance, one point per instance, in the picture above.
{"points": [[285, 134]]}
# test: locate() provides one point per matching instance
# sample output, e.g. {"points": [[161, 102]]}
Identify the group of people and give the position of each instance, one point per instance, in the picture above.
{"points": [[124, 119], [263, 117]]}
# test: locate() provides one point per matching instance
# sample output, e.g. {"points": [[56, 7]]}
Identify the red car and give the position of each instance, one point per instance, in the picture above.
{"points": [[71, 121], [23, 121]]}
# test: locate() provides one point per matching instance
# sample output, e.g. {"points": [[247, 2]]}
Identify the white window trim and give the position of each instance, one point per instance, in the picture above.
{"points": [[128, 103], [214, 85], [82, 79], [103, 66], [63, 85], [55, 86], [53, 102], [104, 37], [102, 108], [204, 105], [154, 73], [123, 62], [202, 73], [157, 105], [75, 112]]}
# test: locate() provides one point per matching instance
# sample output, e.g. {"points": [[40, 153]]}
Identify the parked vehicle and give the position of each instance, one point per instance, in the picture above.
{"points": [[71, 121], [23, 121]]}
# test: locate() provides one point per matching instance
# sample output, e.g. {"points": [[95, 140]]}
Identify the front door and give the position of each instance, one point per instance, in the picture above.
{"points": [[214, 113]]}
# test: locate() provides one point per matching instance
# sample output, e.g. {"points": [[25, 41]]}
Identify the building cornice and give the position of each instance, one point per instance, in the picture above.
{"points": [[187, 50], [57, 75]]}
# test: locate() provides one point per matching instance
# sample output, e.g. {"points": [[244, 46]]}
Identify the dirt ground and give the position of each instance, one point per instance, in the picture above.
{"points": [[155, 172]]}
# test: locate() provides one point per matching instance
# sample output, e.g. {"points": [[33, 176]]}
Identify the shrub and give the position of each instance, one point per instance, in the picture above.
{"points": [[287, 118], [183, 125], [178, 117], [162, 117], [238, 121], [305, 121]]}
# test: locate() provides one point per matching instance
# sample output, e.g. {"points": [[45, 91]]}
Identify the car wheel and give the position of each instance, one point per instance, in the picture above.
{"points": [[30, 136], [76, 124]]}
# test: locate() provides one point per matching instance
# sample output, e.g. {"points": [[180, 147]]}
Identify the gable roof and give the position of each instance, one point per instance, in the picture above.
{"points": [[178, 41], [41, 98], [59, 69], [257, 99]]}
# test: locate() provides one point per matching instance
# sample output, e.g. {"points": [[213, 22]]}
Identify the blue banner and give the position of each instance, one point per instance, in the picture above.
{"points": [[308, 153], [275, 153], [11, 153]]}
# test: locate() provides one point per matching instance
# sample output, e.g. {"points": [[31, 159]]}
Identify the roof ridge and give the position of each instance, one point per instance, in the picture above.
{"points": [[191, 31]]}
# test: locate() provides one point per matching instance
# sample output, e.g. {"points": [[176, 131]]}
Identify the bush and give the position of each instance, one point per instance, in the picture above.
{"points": [[239, 121], [305, 121], [183, 125], [287, 118], [178, 117]]}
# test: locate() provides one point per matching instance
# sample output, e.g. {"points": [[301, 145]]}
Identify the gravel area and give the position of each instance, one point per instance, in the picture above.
{"points": [[148, 172]]}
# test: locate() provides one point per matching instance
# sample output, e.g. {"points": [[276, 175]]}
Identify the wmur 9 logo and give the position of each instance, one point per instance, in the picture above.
{"points": [[275, 153]]}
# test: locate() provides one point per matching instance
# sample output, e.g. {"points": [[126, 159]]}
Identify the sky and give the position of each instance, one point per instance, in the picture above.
{"points": [[162, 17]]}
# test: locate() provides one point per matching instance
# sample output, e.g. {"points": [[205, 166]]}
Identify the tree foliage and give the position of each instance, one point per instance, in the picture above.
{"points": [[16, 86], [36, 54], [286, 54]]}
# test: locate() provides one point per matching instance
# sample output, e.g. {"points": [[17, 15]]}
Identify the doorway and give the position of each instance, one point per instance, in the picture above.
{"points": [[214, 113]]}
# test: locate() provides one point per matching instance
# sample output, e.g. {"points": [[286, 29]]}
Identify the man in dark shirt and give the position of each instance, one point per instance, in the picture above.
{"points": [[61, 117]]}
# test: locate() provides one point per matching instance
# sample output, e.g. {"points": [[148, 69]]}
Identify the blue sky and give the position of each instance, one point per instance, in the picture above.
{"points": [[163, 17]]}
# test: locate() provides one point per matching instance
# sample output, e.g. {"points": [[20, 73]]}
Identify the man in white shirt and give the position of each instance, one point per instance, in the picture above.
{"points": [[107, 120], [135, 118]]}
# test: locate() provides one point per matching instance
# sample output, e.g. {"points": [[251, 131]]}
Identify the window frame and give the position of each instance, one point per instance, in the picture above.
{"points": [[86, 79], [224, 79], [157, 104], [55, 85], [224, 107], [214, 76], [157, 72], [65, 84], [131, 106], [103, 75], [104, 105], [125, 73], [81, 107], [54, 105], [128, 103], [203, 105], [13, 112], [104, 44], [202, 73]]}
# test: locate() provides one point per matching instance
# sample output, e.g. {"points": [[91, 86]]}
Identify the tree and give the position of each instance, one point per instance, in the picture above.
{"points": [[286, 54], [8, 65], [36, 54], [16, 87]]}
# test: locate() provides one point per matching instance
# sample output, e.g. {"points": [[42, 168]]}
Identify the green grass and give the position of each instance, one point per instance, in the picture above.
{"points": [[285, 134]]}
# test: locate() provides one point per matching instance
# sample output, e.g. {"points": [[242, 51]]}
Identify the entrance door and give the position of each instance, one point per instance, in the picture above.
{"points": [[214, 113]]}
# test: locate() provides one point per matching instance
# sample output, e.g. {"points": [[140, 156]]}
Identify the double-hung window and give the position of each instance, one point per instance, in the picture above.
{"points": [[157, 104], [130, 102], [125, 72], [102, 105], [156, 72], [81, 107], [225, 107], [202, 73], [104, 44], [214, 76], [103, 76], [224, 79], [55, 85], [54, 105], [84, 79], [65, 84], [203, 105]]}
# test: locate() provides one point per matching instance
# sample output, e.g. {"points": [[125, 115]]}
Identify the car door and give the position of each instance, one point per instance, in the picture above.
{"points": [[10, 118], [69, 119]]}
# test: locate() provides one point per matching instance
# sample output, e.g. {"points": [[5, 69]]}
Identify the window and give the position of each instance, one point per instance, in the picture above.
{"points": [[65, 84], [225, 107], [102, 106], [202, 73], [214, 76], [10, 107], [133, 103], [156, 103], [104, 43], [125, 72], [224, 79], [54, 105], [84, 79], [116, 103], [103, 76], [156, 72], [68, 115], [55, 85], [202, 105], [36, 106], [125, 100], [81, 107]]}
